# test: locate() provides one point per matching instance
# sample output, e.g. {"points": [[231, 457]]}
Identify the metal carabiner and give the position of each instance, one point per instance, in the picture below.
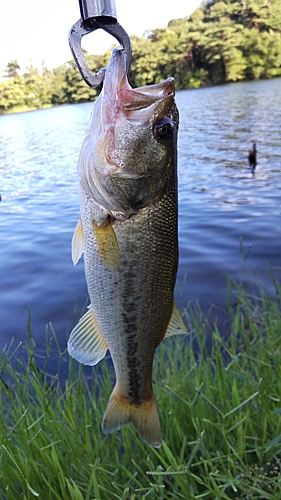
{"points": [[97, 14]]}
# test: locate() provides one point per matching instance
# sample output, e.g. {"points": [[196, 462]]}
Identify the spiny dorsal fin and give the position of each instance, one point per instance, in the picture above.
{"points": [[176, 325], [107, 245], [77, 242], [86, 343]]}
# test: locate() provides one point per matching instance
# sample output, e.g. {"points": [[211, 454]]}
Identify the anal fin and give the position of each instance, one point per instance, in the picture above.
{"points": [[176, 325], [86, 343]]}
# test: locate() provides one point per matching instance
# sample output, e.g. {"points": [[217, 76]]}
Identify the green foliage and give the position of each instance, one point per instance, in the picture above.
{"points": [[12, 93], [222, 41], [219, 407], [12, 69], [33, 90]]}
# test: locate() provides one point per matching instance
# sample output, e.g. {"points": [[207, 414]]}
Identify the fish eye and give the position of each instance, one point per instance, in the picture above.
{"points": [[163, 128]]}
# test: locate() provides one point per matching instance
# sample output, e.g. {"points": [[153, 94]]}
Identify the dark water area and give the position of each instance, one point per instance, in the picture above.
{"points": [[221, 201]]}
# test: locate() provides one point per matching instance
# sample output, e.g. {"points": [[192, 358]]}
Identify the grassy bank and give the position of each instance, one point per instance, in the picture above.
{"points": [[220, 413]]}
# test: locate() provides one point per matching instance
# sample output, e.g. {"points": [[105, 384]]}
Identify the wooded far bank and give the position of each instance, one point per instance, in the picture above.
{"points": [[222, 41]]}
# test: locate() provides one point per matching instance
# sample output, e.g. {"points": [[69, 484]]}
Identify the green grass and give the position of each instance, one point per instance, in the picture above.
{"points": [[220, 410]]}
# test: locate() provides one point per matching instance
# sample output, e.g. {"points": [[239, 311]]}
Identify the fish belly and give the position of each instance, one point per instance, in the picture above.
{"points": [[133, 303]]}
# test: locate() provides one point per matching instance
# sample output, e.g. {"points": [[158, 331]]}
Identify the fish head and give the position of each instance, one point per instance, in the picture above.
{"points": [[129, 155]]}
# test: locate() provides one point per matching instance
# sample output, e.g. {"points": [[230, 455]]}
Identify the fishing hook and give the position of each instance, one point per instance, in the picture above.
{"points": [[97, 14]]}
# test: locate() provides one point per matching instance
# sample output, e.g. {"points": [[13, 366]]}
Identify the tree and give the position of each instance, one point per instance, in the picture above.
{"points": [[222, 41], [12, 93], [12, 69]]}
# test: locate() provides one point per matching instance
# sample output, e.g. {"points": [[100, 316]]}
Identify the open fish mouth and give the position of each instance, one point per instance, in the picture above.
{"points": [[122, 113], [118, 91]]}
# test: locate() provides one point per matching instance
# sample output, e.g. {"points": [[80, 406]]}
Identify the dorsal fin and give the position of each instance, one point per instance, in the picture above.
{"points": [[176, 325]]}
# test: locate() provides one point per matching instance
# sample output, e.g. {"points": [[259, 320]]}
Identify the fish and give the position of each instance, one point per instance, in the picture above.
{"points": [[128, 233]]}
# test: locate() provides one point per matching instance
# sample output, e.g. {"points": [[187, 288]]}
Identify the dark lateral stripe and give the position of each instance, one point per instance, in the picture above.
{"points": [[133, 365]]}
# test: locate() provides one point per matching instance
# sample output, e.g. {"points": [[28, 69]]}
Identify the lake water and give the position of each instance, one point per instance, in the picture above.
{"points": [[220, 202]]}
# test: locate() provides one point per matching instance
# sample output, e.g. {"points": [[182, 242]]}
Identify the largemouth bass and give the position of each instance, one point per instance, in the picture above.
{"points": [[128, 233]]}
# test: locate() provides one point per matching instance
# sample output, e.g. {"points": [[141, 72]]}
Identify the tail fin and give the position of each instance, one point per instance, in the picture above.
{"points": [[119, 412]]}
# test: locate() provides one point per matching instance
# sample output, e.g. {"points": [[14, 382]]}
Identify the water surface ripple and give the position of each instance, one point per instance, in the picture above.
{"points": [[220, 202]]}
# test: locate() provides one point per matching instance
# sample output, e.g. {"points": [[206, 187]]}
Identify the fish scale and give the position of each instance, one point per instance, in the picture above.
{"points": [[128, 233]]}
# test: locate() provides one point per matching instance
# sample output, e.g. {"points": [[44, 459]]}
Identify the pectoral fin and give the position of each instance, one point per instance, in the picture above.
{"points": [[86, 343], [176, 325], [77, 242], [107, 245]]}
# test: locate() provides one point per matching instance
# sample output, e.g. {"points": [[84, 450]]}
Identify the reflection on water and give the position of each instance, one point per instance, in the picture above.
{"points": [[39, 155], [221, 201]]}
